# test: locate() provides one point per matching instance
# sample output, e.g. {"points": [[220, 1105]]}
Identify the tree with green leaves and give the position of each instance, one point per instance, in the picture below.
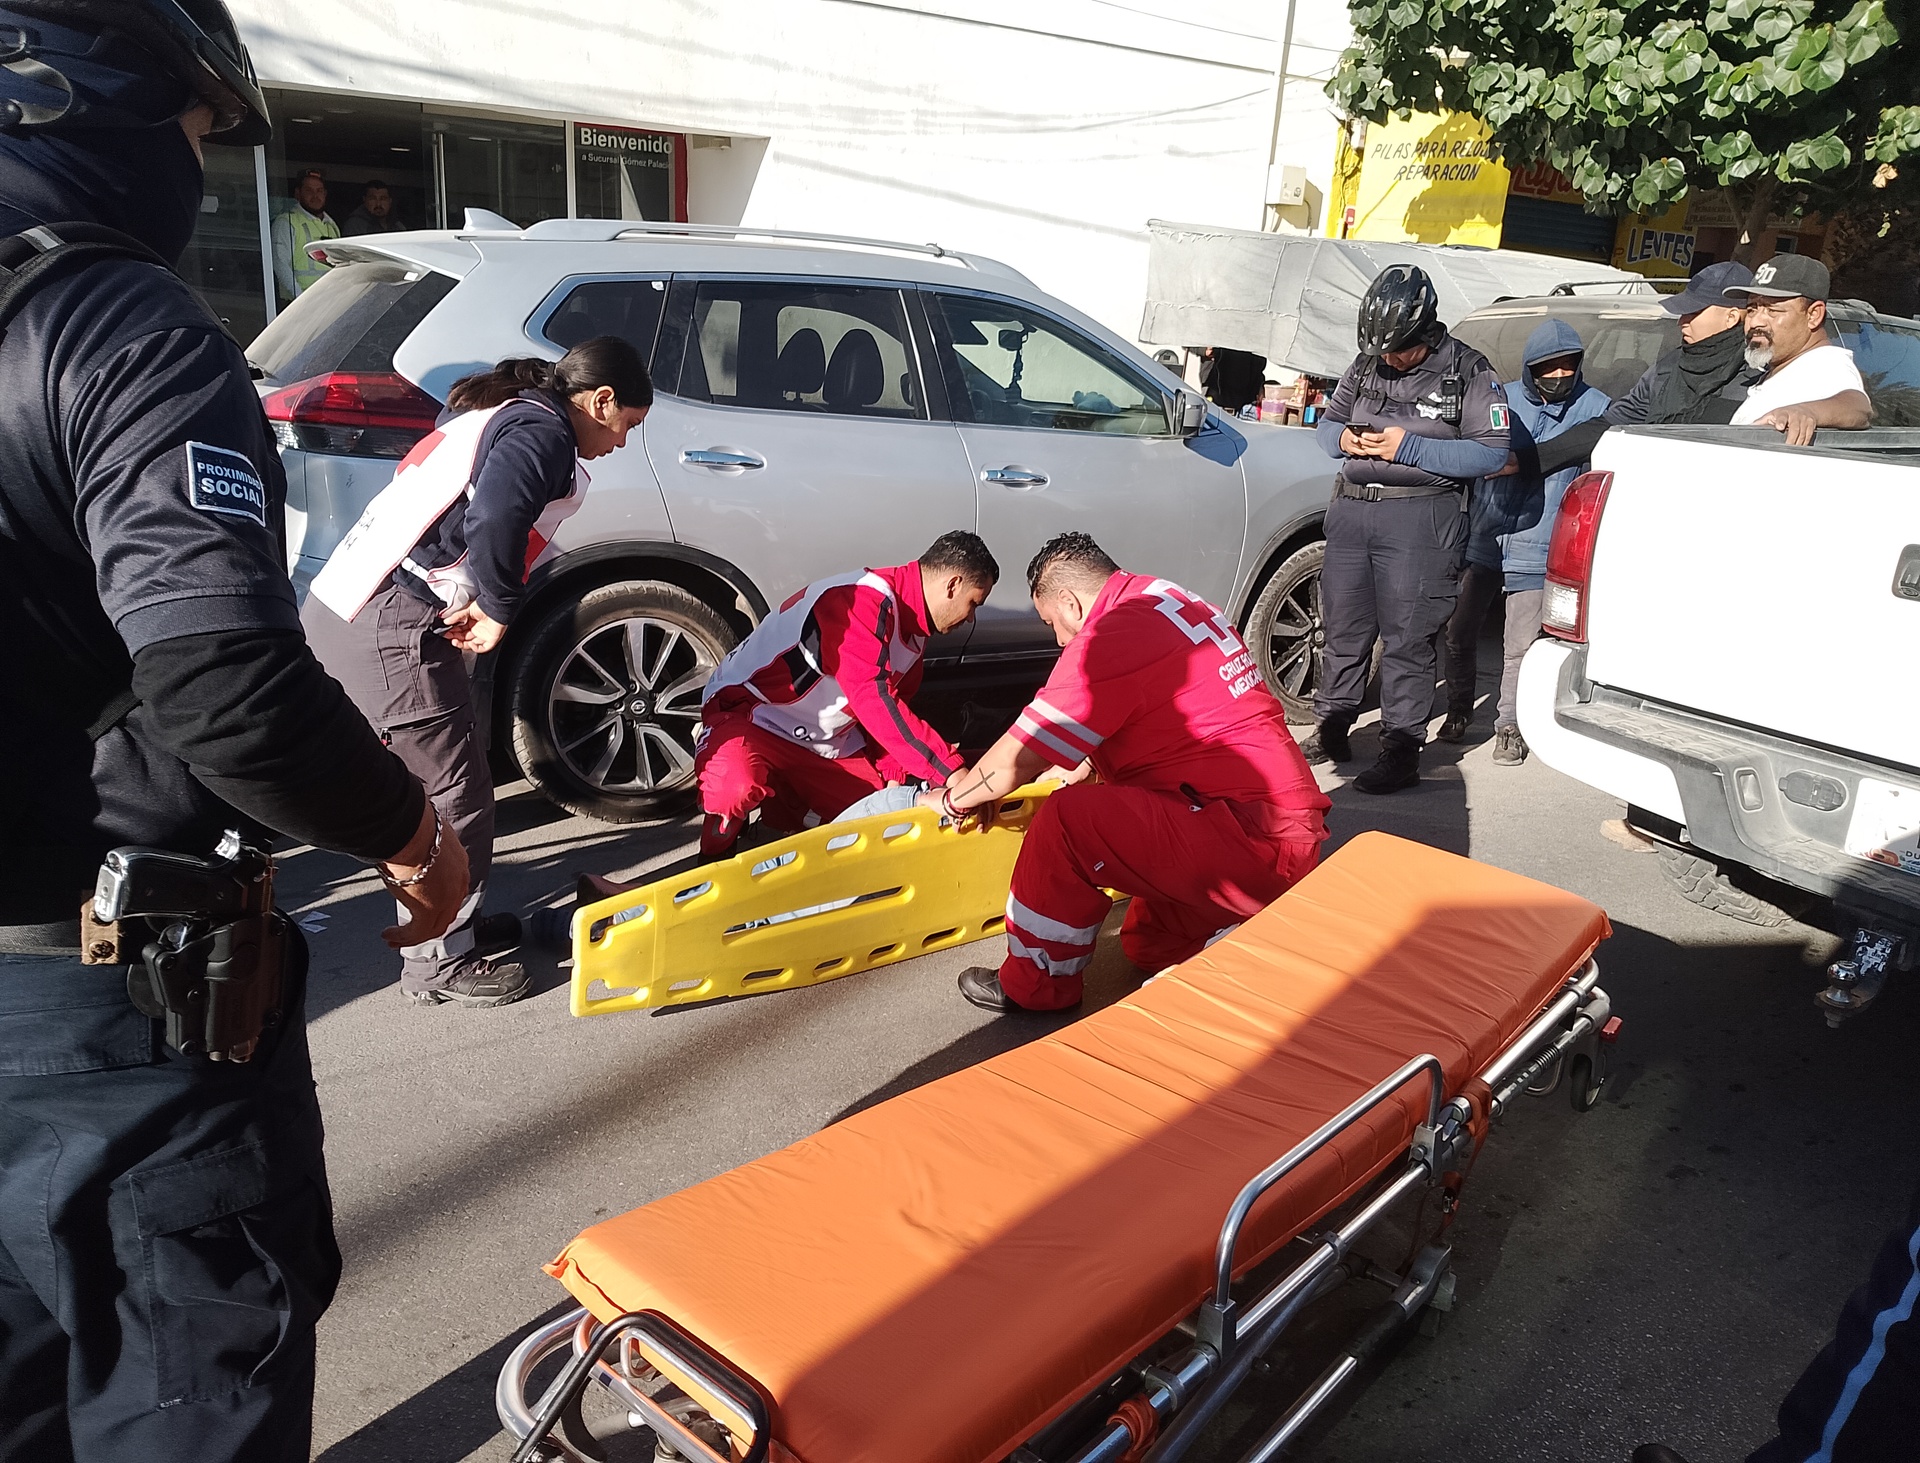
{"points": [[1790, 104]]}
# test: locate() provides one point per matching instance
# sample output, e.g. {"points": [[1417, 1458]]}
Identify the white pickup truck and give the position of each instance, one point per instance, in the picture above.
{"points": [[1733, 650]]}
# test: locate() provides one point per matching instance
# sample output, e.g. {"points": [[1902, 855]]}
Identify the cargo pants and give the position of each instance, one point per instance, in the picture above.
{"points": [[413, 688]]}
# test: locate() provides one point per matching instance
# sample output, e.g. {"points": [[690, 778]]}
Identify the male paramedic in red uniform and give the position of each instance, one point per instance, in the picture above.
{"points": [[1204, 811], [809, 713]]}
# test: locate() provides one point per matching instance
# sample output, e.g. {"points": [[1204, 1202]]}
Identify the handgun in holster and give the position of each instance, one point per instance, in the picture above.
{"points": [[216, 972]]}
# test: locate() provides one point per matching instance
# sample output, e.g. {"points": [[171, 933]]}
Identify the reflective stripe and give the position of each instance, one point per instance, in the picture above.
{"points": [[1060, 719], [1048, 965], [1028, 730], [1901, 1310], [1038, 924]]}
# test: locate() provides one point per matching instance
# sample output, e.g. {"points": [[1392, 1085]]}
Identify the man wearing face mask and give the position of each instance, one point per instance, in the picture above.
{"points": [[166, 1240], [1510, 525]]}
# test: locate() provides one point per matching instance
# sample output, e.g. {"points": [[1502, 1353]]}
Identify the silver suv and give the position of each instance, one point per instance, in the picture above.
{"points": [[823, 403]]}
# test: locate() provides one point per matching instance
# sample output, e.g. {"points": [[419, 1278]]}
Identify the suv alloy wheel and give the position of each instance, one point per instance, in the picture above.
{"points": [[606, 699]]}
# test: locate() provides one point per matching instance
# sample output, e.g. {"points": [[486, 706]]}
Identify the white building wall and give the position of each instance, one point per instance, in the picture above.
{"points": [[1044, 132]]}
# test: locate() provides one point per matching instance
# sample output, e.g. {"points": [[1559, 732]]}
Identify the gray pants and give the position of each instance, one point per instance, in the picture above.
{"points": [[413, 687], [1479, 587], [1392, 571]]}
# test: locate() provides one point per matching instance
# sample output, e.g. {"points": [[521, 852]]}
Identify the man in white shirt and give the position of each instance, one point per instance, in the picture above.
{"points": [[1809, 381]]}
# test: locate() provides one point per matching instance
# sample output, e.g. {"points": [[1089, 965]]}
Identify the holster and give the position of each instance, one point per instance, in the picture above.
{"points": [[219, 992]]}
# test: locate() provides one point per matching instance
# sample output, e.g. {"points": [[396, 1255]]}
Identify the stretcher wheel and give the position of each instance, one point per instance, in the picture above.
{"points": [[1585, 1082]]}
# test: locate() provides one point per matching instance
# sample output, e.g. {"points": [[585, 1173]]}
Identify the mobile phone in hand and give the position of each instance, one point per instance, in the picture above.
{"points": [[1362, 429]]}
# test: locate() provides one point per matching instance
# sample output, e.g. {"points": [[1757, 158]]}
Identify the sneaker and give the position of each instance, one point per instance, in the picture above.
{"points": [[1509, 747], [1329, 742], [1454, 728], [1397, 767], [495, 934], [479, 982]]}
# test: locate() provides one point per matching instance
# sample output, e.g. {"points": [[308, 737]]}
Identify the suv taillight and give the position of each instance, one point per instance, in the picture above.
{"points": [[352, 414], [1570, 556]]}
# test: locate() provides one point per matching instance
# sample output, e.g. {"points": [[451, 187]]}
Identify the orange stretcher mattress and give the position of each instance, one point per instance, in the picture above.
{"points": [[936, 1277]]}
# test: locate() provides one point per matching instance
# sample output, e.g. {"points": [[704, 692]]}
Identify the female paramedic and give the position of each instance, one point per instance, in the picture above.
{"points": [[437, 566]]}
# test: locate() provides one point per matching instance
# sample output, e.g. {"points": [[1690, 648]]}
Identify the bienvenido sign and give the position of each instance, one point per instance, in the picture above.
{"points": [[595, 144]]}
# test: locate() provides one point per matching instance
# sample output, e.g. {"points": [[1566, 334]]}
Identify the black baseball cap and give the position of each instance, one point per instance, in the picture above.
{"points": [[1786, 276], [1704, 289]]}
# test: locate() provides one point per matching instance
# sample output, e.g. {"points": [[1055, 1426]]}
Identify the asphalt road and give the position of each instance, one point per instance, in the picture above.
{"points": [[1660, 1268]]}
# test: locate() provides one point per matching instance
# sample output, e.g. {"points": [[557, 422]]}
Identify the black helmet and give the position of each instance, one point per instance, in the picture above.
{"points": [[1398, 309], [194, 41]]}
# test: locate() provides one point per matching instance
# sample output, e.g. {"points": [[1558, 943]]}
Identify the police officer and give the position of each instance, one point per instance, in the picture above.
{"points": [[1415, 419], [166, 1239]]}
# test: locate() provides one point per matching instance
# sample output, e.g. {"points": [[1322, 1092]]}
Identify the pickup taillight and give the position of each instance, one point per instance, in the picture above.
{"points": [[351, 414], [1563, 612]]}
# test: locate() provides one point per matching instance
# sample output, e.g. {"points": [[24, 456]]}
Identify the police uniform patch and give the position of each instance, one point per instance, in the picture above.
{"points": [[220, 480], [1497, 415]]}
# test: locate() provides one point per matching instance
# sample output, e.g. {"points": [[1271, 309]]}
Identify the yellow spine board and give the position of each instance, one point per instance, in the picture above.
{"points": [[840, 898]]}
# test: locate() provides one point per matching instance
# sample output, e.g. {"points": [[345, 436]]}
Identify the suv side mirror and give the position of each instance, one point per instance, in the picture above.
{"points": [[1189, 412]]}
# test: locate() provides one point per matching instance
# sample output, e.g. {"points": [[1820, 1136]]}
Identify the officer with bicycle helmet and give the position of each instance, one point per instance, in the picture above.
{"points": [[1415, 419], [166, 1239]]}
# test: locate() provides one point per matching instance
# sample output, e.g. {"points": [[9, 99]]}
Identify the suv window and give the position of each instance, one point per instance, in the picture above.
{"points": [[628, 308], [1888, 356], [835, 349], [353, 318], [1620, 344], [1012, 366]]}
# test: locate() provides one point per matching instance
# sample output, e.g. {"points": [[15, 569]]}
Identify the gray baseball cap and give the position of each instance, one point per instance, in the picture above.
{"points": [[1704, 289], [1784, 277]]}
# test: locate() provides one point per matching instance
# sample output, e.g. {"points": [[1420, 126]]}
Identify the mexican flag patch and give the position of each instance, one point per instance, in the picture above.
{"points": [[1497, 414]]}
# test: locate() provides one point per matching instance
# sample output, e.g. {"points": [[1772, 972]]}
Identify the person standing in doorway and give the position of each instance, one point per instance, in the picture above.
{"points": [[437, 568], [307, 222], [375, 214]]}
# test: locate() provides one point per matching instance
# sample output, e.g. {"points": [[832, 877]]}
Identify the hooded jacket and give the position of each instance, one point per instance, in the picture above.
{"points": [[141, 535], [1511, 520]]}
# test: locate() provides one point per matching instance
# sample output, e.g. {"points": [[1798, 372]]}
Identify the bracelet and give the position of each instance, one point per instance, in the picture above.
{"points": [[419, 875], [947, 807]]}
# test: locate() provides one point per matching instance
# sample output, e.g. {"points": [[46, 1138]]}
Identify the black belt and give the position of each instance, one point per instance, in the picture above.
{"points": [[1374, 492], [57, 937]]}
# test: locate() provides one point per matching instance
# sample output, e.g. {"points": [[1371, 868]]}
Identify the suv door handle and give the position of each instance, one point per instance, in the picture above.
{"points": [[1019, 478], [721, 459]]}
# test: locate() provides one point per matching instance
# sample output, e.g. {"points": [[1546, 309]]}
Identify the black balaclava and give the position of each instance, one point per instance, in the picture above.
{"points": [[121, 160]]}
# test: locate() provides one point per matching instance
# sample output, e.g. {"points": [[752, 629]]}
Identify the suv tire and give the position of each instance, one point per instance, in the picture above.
{"points": [[1285, 635], [605, 700]]}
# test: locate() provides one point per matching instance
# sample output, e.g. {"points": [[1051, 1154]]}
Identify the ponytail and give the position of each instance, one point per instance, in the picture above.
{"points": [[605, 360]]}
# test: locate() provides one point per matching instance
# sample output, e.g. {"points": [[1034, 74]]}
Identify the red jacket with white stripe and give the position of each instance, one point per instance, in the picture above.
{"points": [[832, 668], [1160, 692]]}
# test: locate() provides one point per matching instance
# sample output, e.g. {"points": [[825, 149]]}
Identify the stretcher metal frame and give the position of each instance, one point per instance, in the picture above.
{"points": [[1155, 1411]]}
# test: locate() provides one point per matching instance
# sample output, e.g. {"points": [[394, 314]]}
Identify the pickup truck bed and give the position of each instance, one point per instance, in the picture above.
{"points": [[1747, 679]]}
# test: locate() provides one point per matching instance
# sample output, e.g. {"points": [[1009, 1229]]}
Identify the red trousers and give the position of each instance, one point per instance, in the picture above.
{"points": [[743, 766], [1192, 873]]}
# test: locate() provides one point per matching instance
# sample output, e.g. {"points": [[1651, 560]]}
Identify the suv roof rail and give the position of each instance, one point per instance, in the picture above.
{"points": [[607, 230], [1619, 286]]}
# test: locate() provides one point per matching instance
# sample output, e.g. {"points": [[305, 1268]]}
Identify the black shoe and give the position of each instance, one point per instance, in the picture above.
{"points": [[479, 982], [1509, 747], [1329, 742], [1656, 1453], [1454, 728], [982, 987], [494, 934], [1398, 766]]}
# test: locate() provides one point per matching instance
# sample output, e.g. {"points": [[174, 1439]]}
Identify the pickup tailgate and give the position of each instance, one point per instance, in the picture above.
{"points": [[1757, 584]]}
